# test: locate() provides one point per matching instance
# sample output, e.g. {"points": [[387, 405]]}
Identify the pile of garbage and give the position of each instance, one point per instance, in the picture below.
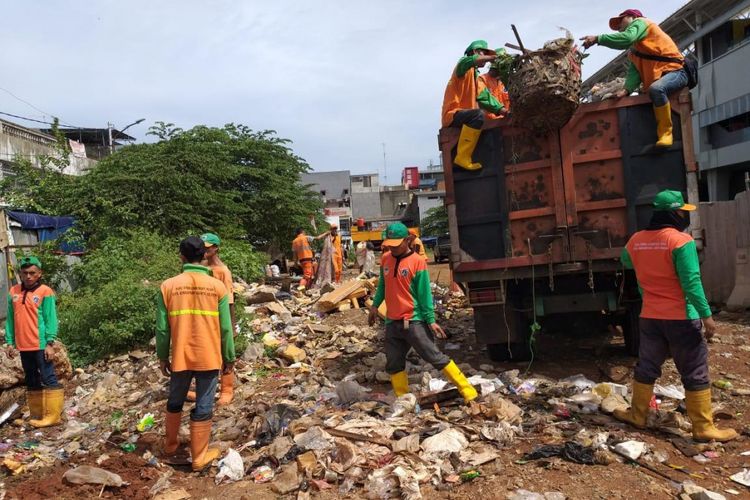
{"points": [[313, 411], [545, 85]]}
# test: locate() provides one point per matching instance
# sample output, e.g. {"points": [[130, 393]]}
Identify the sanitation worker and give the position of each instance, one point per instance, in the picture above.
{"points": [[194, 340], [673, 314], [655, 61], [404, 285]]}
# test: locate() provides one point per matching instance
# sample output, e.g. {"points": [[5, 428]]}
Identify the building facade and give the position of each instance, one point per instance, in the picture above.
{"points": [[365, 196]]}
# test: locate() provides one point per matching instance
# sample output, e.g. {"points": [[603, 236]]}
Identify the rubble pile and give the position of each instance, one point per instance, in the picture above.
{"points": [[313, 412]]}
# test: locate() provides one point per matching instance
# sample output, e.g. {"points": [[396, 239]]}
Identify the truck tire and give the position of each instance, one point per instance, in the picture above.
{"points": [[630, 328], [490, 322]]}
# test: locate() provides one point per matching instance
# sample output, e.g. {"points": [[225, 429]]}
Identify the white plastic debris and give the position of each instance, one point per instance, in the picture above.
{"points": [[86, 474], [230, 467], [670, 391], [404, 405], [449, 441], [742, 477], [631, 449]]}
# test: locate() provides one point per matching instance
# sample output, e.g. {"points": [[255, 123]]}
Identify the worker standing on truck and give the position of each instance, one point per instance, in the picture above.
{"points": [[674, 309], [303, 254], [655, 61], [404, 285], [416, 245], [194, 328], [494, 84], [463, 99], [31, 328]]}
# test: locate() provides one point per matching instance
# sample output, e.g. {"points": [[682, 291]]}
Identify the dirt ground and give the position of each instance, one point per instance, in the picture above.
{"points": [[599, 356]]}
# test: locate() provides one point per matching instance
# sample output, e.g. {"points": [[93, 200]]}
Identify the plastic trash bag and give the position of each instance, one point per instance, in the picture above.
{"points": [[570, 451], [86, 474], [230, 467]]}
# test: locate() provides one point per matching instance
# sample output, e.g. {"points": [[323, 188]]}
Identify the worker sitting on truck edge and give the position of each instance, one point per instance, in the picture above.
{"points": [[493, 83], [462, 100], [194, 328], [655, 60], [31, 328], [221, 272], [416, 245], [665, 261], [404, 285]]}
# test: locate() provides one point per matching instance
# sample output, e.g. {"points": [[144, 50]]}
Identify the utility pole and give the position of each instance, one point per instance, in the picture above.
{"points": [[109, 133], [385, 168]]}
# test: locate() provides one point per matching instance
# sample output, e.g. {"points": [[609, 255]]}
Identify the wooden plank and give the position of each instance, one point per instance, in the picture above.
{"points": [[355, 303], [330, 300], [718, 263]]}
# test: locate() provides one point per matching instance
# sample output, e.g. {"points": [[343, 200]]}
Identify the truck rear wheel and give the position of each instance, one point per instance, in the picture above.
{"points": [[490, 324]]}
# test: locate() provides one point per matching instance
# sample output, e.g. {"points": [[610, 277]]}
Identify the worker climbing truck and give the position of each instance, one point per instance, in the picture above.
{"points": [[536, 233]]}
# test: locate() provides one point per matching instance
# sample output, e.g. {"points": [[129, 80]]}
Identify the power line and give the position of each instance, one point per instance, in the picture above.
{"points": [[31, 105], [28, 119]]}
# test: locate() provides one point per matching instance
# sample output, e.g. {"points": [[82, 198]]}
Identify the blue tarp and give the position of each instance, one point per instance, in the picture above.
{"points": [[48, 227]]}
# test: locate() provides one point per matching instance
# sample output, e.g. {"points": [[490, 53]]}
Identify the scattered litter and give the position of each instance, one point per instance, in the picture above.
{"points": [[262, 474], [86, 474], [571, 451], [230, 467], [670, 391], [146, 423], [631, 449], [449, 441], [742, 477]]}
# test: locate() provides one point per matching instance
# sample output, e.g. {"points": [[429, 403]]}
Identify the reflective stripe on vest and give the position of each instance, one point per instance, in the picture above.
{"points": [[196, 312]]}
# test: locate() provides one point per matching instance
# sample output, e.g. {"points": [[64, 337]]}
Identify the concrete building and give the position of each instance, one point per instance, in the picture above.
{"points": [[721, 107], [365, 196], [16, 140], [427, 200], [334, 189], [717, 34]]}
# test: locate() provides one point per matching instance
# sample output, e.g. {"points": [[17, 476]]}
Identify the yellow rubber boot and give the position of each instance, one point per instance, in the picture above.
{"points": [[400, 383], [202, 455], [455, 375], [53, 400], [467, 141], [35, 401], [699, 410], [227, 389], [663, 125], [638, 412], [172, 429]]}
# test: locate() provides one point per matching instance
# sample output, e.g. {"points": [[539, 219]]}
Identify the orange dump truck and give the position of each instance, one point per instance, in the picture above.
{"points": [[536, 234]]}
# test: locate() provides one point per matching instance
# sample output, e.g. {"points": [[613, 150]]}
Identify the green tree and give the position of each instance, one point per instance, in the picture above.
{"points": [[435, 222]]}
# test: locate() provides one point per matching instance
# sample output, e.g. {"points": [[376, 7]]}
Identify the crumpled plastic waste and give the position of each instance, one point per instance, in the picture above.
{"points": [[230, 467], [570, 451], [670, 391], [86, 474], [277, 418], [404, 405], [349, 391], [631, 449], [448, 441]]}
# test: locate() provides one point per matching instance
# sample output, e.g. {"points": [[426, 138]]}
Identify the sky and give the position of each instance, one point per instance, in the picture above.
{"points": [[337, 78]]}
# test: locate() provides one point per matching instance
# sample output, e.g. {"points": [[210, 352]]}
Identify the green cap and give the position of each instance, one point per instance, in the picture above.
{"points": [[210, 239], [395, 234], [29, 261], [478, 44], [671, 200]]}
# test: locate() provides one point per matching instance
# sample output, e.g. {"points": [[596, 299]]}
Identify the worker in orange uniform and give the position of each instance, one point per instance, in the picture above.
{"points": [[416, 245], [303, 254], [221, 272], [194, 328], [655, 61], [31, 328], [674, 310], [463, 99], [404, 285], [494, 84]]}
